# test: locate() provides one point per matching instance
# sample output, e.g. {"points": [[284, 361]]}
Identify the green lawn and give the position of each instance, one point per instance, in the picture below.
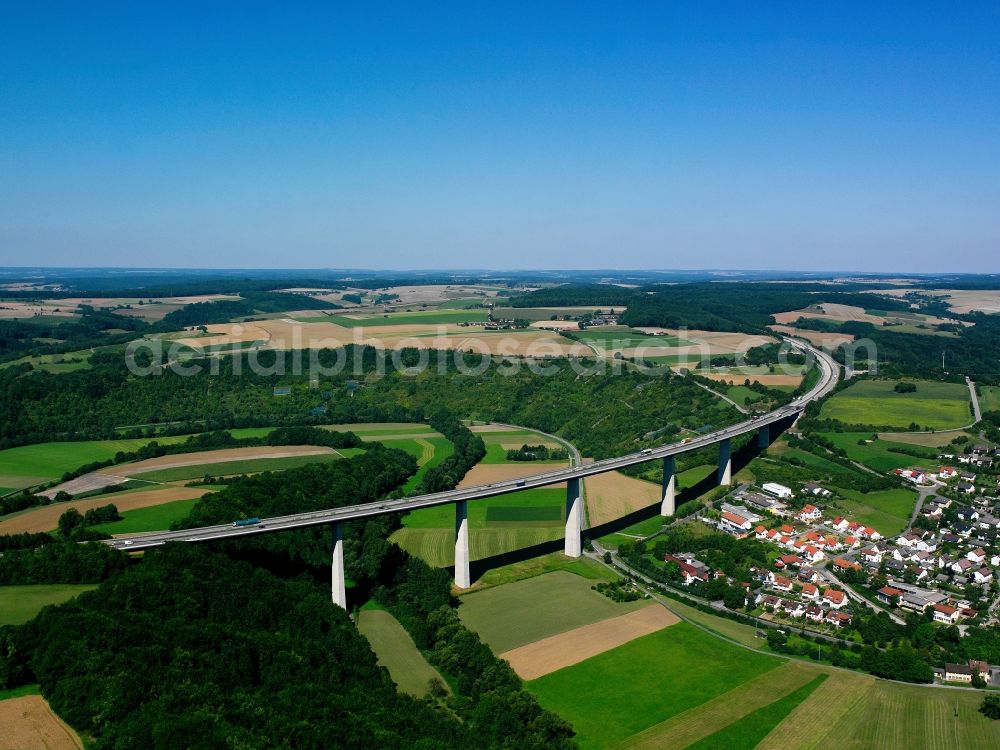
{"points": [[397, 652], [21, 603], [153, 518], [877, 454], [934, 405], [614, 695], [747, 732], [526, 611], [248, 466]]}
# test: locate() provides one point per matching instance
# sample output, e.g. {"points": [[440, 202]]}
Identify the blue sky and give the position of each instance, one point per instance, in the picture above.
{"points": [[834, 136]]}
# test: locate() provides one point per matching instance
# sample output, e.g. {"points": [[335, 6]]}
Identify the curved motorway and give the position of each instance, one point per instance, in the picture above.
{"points": [[828, 379]]}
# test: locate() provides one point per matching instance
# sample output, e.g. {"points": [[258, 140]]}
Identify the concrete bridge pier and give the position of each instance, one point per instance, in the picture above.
{"points": [[764, 437], [339, 586], [669, 500], [574, 518], [725, 463], [463, 579]]}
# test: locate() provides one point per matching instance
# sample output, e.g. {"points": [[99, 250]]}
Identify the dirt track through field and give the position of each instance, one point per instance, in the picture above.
{"points": [[28, 723], [46, 517], [565, 649]]}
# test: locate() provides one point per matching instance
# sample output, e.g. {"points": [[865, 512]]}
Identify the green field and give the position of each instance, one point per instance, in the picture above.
{"points": [[933, 406], [55, 363], [397, 652], [526, 611], [625, 339], [888, 511], [48, 461], [877, 454], [430, 532], [524, 514], [21, 603], [248, 466], [536, 566], [368, 429], [746, 733], [428, 452], [902, 716], [153, 518], [628, 689], [989, 398]]}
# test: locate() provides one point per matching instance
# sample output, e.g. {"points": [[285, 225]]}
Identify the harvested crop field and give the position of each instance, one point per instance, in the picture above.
{"points": [[30, 724], [964, 301], [818, 338], [46, 517], [286, 333], [213, 457], [573, 646], [612, 495], [489, 473]]}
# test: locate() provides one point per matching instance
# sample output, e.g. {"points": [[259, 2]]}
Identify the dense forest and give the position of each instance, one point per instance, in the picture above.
{"points": [[603, 414]]}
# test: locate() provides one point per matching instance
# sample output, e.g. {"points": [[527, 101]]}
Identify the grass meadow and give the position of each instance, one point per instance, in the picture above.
{"points": [[397, 652], [19, 604], [153, 518], [615, 695], [933, 406], [527, 611], [877, 454]]}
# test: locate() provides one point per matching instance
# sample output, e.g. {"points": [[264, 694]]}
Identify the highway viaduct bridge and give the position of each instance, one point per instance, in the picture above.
{"points": [[829, 372]]}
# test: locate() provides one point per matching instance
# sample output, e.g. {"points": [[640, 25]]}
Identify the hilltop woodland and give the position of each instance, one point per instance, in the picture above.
{"points": [[238, 645], [603, 414]]}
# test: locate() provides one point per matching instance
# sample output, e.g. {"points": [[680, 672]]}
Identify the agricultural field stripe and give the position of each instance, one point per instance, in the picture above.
{"points": [[701, 721], [811, 721], [566, 649]]}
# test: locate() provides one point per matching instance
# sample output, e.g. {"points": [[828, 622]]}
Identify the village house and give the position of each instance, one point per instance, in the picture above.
{"points": [[811, 488], [888, 595], [691, 573], [834, 598], [809, 514]]}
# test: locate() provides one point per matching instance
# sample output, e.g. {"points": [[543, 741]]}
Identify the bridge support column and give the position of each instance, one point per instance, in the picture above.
{"points": [[725, 463], [669, 499], [463, 578], [574, 518], [764, 437], [339, 587]]}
